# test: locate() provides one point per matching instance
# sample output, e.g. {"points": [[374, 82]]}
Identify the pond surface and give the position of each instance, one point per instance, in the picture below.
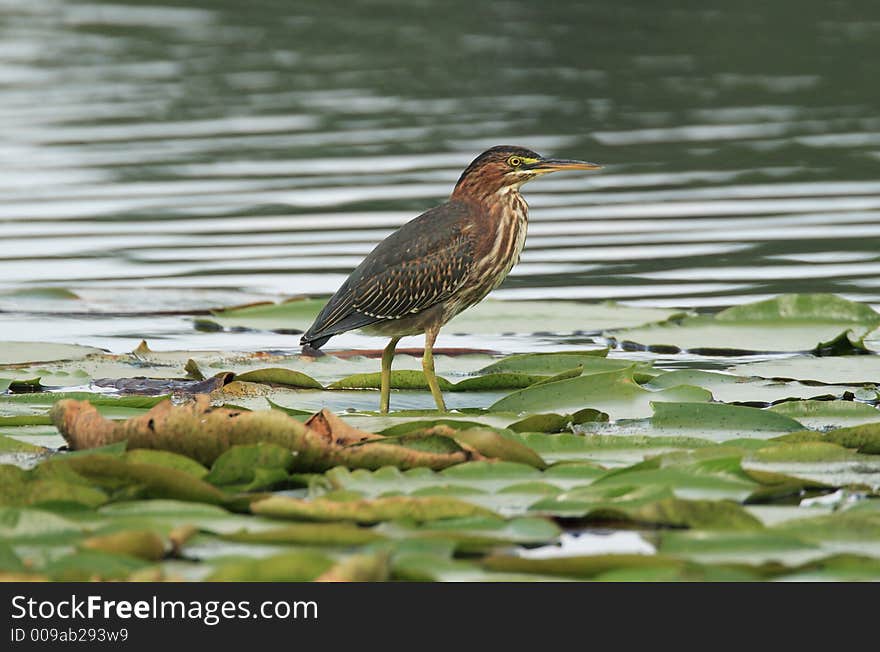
{"points": [[163, 158]]}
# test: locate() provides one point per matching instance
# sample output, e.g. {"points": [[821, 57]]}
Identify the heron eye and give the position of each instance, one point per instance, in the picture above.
{"points": [[514, 161]]}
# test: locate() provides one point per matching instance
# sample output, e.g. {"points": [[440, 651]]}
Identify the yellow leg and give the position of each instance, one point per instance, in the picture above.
{"points": [[428, 366], [385, 391]]}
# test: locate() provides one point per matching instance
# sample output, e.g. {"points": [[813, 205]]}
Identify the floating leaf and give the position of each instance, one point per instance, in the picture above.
{"points": [[786, 323], [158, 481], [280, 376], [865, 438], [806, 452], [22, 524], [556, 363], [491, 444], [647, 504], [472, 534], [828, 412], [20, 488], [732, 419], [300, 566], [239, 464], [400, 379], [165, 458], [10, 445], [613, 392], [366, 511], [358, 568], [33, 352], [820, 307], [855, 370], [586, 447], [580, 567], [143, 544], [317, 534], [91, 565]]}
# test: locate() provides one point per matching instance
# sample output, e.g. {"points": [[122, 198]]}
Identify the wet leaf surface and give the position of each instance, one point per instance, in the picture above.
{"points": [[751, 468]]}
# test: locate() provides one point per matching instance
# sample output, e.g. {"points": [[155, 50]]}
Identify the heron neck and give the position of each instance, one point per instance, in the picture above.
{"points": [[474, 190]]}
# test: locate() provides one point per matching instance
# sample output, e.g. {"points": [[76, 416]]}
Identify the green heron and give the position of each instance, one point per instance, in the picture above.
{"points": [[442, 262]]}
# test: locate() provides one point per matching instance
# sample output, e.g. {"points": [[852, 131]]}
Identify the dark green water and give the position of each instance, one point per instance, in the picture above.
{"points": [[164, 157]]}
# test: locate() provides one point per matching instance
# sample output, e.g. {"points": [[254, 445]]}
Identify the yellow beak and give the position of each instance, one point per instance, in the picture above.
{"points": [[557, 164]]}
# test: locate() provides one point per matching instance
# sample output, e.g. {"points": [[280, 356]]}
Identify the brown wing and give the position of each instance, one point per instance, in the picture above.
{"points": [[421, 264]]}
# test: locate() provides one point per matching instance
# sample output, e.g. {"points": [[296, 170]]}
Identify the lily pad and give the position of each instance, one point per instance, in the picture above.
{"points": [[854, 370], [366, 511], [298, 566], [734, 420], [825, 413], [612, 392], [280, 376], [491, 316], [241, 464], [648, 504], [795, 322], [31, 352]]}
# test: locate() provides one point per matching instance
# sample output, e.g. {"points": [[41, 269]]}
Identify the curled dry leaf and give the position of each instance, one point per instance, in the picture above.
{"points": [[336, 431], [203, 433]]}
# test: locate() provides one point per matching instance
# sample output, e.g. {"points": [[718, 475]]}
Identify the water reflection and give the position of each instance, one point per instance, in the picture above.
{"points": [[265, 147]]}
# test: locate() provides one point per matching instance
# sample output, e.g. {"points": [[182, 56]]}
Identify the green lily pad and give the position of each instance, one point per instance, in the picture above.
{"points": [[243, 464], [143, 544], [794, 322], [825, 413], [491, 444], [807, 452], [851, 369], [165, 458], [30, 352], [85, 565], [366, 511], [155, 480], [581, 567], [427, 567], [22, 488], [649, 504], [280, 376], [480, 477], [606, 449], [612, 392], [557, 362], [738, 389], [732, 419], [10, 445], [865, 438], [298, 566], [324, 534], [477, 533], [400, 379]]}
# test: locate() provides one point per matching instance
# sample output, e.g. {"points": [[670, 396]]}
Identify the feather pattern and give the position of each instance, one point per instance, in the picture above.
{"points": [[417, 267]]}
